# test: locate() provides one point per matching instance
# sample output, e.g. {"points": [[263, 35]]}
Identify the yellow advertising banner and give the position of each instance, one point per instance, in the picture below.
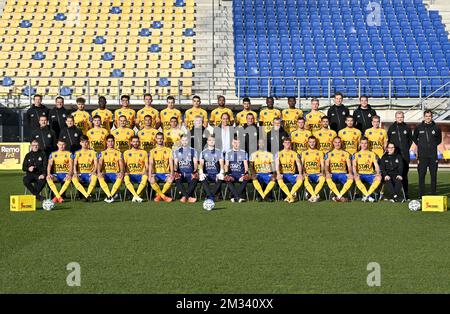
{"points": [[12, 155]]}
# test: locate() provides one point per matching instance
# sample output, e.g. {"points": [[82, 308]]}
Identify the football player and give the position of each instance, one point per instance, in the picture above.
{"points": [[216, 114], [289, 169], [85, 169], [350, 136], [193, 112], [168, 113], [241, 117], [147, 134], [300, 136], [185, 162], [313, 168], [291, 115], [161, 169], [123, 135], [81, 117], [97, 135], [325, 135], [172, 135], [236, 171], [125, 111], [211, 169], [263, 168], [314, 117], [105, 114], [136, 168], [148, 110], [110, 169], [59, 169], [377, 137], [266, 116]]}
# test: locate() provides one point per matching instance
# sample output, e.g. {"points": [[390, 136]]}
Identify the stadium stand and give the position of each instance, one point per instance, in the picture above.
{"points": [[83, 47], [283, 45]]}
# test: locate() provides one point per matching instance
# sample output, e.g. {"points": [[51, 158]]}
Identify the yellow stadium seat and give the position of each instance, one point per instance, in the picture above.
{"points": [[188, 56], [152, 74], [153, 64], [186, 91], [126, 82], [187, 73], [166, 48], [175, 73], [142, 57], [189, 24]]}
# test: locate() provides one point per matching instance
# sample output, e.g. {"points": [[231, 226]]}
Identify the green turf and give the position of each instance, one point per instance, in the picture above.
{"points": [[239, 248]]}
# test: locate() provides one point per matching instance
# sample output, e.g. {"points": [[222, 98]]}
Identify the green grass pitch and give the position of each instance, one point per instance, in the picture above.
{"points": [[239, 248]]}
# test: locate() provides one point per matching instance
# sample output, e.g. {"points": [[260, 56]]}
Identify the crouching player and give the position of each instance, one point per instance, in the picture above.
{"points": [[366, 170], [85, 169], [263, 168], [313, 167], [136, 168], [161, 169], [338, 169], [236, 171], [211, 170], [110, 169], [185, 170], [59, 169], [289, 169]]}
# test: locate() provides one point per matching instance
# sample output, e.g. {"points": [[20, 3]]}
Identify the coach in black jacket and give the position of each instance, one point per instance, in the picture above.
{"points": [[35, 168], [45, 136], [427, 136], [71, 135], [32, 115], [400, 134], [391, 165], [363, 115], [58, 116], [337, 113]]}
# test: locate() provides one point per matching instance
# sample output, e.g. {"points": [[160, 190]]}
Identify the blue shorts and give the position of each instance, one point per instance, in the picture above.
{"points": [[339, 178], [264, 177], [313, 178], [211, 177], [84, 177], [236, 176], [367, 178], [110, 177], [290, 177], [59, 176], [161, 177], [135, 178]]}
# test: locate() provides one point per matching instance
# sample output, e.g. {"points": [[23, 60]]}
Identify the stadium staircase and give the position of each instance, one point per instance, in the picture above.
{"points": [[95, 47]]}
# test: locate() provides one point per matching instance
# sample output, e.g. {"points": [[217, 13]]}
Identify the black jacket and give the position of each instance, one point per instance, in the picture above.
{"points": [[363, 118], [391, 165], [58, 119], [276, 138], [46, 138], [401, 136], [72, 138], [38, 160], [336, 116], [427, 137], [32, 116]]}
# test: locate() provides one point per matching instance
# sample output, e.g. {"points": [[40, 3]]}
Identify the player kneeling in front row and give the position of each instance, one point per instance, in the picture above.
{"points": [[185, 170], [313, 168], [110, 169], [85, 169], [366, 170], [59, 169], [338, 169], [211, 170], [289, 169], [136, 169], [236, 171], [263, 168], [161, 169]]}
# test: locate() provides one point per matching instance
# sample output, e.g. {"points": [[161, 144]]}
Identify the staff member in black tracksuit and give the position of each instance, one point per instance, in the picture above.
{"points": [[391, 165], [400, 134], [35, 168], [58, 115], [363, 114], [337, 113], [32, 115], [71, 135], [45, 136], [427, 136]]}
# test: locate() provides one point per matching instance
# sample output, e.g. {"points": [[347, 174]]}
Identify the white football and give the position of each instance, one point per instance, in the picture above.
{"points": [[48, 204], [208, 205], [414, 205]]}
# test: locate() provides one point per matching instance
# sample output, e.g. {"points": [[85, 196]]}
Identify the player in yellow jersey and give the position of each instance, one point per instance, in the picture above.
{"points": [[125, 111], [314, 117], [82, 118], [147, 134], [216, 115], [241, 117], [313, 169], [325, 135], [161, 169], [193, 112], [266, 116], [350, 136], [85, 169], [289, 170], [300, 136], [291, 115], [338, 170], [59, 169], [110, 169], [135, 162], [366, 170], [97, 135], [377, 137], [173, 135], [263, 168], [168, 113], [122, 135], [148, 110], [105, 114]]}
